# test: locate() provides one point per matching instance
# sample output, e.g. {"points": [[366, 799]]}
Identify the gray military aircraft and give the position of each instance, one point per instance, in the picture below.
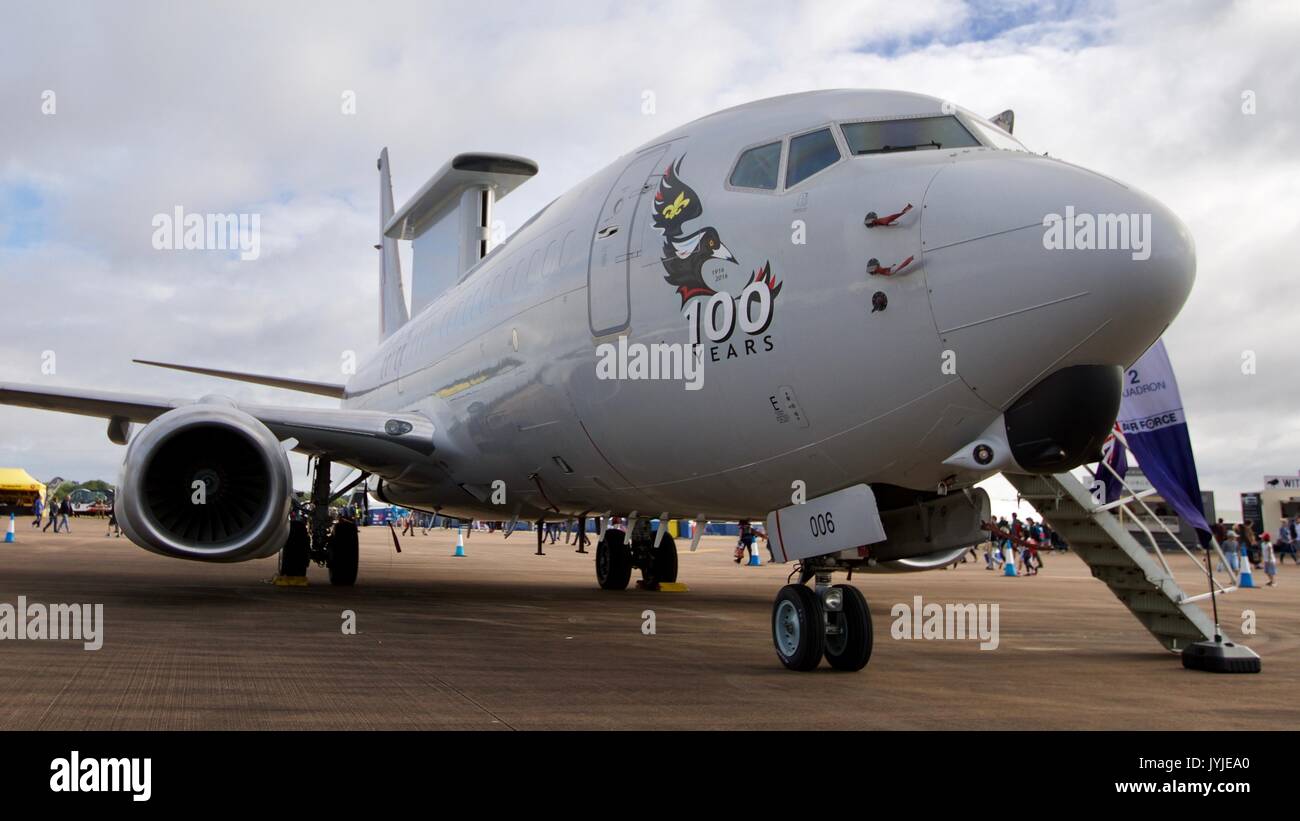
{"points": [[832, 309]]}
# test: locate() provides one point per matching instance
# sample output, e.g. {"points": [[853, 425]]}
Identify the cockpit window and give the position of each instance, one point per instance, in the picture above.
{"points": [[758, 167], [810, 153], [994, 136], [916, 134]]}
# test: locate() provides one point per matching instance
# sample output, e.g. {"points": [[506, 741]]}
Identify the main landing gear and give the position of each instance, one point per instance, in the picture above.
{"points": [[312, 537], [831, 621], [616, 555]]}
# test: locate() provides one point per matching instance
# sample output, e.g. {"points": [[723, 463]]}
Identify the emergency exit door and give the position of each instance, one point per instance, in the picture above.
{"points": [[609, 298]]}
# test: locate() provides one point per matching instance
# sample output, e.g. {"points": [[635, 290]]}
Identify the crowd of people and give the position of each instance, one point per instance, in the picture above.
{"points": [[1239, 542], [54, 512], [1019, 542]]}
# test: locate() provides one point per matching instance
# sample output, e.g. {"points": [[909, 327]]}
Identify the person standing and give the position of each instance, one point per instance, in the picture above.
{"points": [[1038, 540], [1220, 531], [1037, 536], [37, 510], [1002, 543], [1231, 549], [51, 514], [112, 521], [745, 546], [1283, 545], [1251, 543], [1288, 541], [760, 534], [1267, 558], [65, 510]]}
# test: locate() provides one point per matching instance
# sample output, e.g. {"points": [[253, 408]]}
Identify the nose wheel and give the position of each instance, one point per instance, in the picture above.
{"points": [[848, 634], [833, 622], [799, 627]]}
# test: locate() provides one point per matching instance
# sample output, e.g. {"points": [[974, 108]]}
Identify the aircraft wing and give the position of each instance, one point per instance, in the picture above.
{"points": [[304, 385], [371, 440], [106, 404]]}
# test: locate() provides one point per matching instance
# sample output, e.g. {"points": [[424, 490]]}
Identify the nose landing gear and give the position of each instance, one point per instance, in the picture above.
{"points": [[832, 622]]}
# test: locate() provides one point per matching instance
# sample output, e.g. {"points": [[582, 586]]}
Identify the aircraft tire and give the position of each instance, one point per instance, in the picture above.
{"points": [[665, 560], [613, 561], [296, 553], [798, 627], [851, 650], [343, 554]]}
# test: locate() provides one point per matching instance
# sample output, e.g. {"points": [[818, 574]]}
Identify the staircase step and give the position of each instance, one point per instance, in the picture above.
{"points": [[1118, 558]]}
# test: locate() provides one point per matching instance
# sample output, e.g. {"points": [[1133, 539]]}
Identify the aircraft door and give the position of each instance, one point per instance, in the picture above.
{"points": [[609, 299]]}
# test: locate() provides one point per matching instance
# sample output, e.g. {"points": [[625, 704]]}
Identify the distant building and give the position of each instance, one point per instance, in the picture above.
{"points": [[1266, 508]]}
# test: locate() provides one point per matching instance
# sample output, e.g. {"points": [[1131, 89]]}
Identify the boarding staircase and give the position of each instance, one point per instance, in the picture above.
{"points": [[1139, 577]]}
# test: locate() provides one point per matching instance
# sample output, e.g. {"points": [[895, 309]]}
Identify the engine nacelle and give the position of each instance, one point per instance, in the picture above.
{"points": [[241, 510]]}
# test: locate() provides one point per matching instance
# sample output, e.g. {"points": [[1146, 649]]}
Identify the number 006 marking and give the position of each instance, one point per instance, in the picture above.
{"points": [[822, 524]]}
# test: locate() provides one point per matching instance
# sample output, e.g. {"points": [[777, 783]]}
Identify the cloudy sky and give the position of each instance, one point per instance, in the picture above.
{"points": [[239, 108]]}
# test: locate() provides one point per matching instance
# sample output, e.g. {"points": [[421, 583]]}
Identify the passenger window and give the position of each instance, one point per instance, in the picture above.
{"points": [[758, 167], [810, 153]]}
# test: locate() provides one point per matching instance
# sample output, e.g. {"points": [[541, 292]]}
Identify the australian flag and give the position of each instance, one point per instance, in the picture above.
{"points": [[1116, 455]]}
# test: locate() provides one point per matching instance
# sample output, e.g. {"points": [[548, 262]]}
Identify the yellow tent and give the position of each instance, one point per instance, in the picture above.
{"points": [[17, 487]]}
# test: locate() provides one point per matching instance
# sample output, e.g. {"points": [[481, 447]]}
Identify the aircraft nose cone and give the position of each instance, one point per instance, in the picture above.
{"points": [[1034, 265], [1157, 277]]}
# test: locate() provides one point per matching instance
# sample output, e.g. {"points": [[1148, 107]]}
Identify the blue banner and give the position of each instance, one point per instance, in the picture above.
{"points": [[1152, 422]]}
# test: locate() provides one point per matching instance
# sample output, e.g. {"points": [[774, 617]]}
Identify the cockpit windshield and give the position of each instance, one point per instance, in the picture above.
{"points": [[994, 136], [914, 134]]}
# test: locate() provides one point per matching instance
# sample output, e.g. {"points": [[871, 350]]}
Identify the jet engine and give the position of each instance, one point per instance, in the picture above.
{"points": [[206, 482]]}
